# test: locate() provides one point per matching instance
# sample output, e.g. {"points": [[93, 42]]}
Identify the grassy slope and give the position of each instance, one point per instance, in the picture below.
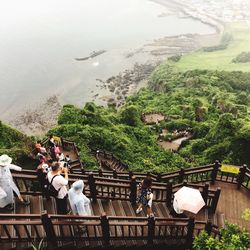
{"points": [[221, 60]]}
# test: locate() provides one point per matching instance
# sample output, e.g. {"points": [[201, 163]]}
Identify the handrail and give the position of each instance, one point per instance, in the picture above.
{"points": [[119, 189], [206, 173], [57, 229]]}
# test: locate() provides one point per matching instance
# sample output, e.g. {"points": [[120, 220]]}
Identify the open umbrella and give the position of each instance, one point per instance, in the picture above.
{"points": [[189, 199]]}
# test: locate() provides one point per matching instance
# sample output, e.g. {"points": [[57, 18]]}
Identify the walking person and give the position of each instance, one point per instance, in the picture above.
{"points": [[7, 184], [80, 204], [145, 196], [59, 183]]}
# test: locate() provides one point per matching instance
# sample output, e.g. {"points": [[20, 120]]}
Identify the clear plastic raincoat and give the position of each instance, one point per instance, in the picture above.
{"points": [[7, 184], [79, 203]]}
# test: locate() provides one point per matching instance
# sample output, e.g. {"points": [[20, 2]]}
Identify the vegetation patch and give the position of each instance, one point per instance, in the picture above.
{"points": [[221, 59], [232, 237], [243, 57]]}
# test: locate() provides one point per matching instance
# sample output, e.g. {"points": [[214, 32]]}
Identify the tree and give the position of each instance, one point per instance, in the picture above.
{"points": [[130, 115]]}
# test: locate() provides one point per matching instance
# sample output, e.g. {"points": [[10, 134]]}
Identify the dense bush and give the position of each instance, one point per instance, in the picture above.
{"points": [[233, 238], [14, 143], [214, 104]]}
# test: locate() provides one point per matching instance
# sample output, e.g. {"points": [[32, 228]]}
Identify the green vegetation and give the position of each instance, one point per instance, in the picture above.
{"points": [[14, 143], [215, 104], [243, 57], [246, 214], [120, 132], [233, 238], [221, 59]]}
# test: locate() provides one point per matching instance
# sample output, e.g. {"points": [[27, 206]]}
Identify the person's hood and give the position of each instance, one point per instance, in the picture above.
{"points": [[5, 160], [78, 186]]}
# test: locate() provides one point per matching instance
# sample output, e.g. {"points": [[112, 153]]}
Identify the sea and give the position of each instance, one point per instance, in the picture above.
{"points": [[40, 40]]}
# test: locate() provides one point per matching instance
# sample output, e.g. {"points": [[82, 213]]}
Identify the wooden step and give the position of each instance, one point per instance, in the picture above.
{"points": [[21, 231], [97, 210], [49, 205], [36, 207], [164, 210]]}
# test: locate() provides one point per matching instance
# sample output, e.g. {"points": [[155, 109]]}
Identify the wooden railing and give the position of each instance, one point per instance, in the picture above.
{"points": [[108, 231], [118, 189], [99, 154], [206, 173]]}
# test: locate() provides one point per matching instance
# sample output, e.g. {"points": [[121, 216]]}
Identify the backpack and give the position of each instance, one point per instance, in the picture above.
{"points": [[51, 189]]}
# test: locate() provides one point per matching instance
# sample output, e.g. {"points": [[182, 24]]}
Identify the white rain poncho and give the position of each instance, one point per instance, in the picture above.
{"points": [[79, 203], [7, 184]]}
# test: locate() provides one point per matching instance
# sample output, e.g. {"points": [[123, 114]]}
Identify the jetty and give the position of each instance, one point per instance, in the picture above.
{"points": [[91, 55]]}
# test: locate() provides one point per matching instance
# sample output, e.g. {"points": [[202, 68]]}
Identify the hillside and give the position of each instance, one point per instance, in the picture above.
{"points": [[214, 104], [14, 143]]}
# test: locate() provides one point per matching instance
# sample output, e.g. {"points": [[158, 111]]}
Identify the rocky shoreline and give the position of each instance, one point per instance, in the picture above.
{"points": [[129, 81]]}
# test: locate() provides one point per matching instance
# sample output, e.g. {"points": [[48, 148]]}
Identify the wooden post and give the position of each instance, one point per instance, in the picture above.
{"points": [[151, 230], [133, 190], [169, 194], [49, 229], [205, 193], [241, 176], [114, 174], [82, 170], [190, 233], [185, 183], [100, 172], [105, 229], [208, 227], [92, 186], [215, 171], [181, 175], [130, 174], [215, 200], [158, 178]]}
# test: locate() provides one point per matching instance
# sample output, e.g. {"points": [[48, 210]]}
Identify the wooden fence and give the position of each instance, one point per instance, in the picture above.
{"points": [[103, 230], [118, 189], [208, 173]]}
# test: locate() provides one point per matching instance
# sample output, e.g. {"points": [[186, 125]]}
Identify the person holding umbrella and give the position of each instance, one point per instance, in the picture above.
{"points": [[8, 185]]}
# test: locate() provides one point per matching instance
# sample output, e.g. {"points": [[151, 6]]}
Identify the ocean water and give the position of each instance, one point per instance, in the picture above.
{"points": [[40, 39]]}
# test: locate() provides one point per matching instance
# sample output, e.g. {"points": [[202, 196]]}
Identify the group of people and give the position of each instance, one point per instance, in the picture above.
{"points": [[79, 203], [53, 171], [52, 154], [52, 164]]}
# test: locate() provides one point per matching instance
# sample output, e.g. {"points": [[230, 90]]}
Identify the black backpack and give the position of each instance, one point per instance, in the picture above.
{"points": [[51, 189]]}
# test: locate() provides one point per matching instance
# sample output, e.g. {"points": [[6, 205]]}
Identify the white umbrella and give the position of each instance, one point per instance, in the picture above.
{"points": [[189, 199]]}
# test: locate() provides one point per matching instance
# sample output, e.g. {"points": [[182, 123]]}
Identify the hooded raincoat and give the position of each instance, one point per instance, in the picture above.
{"points": [[7, 184], [79, 203]]}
